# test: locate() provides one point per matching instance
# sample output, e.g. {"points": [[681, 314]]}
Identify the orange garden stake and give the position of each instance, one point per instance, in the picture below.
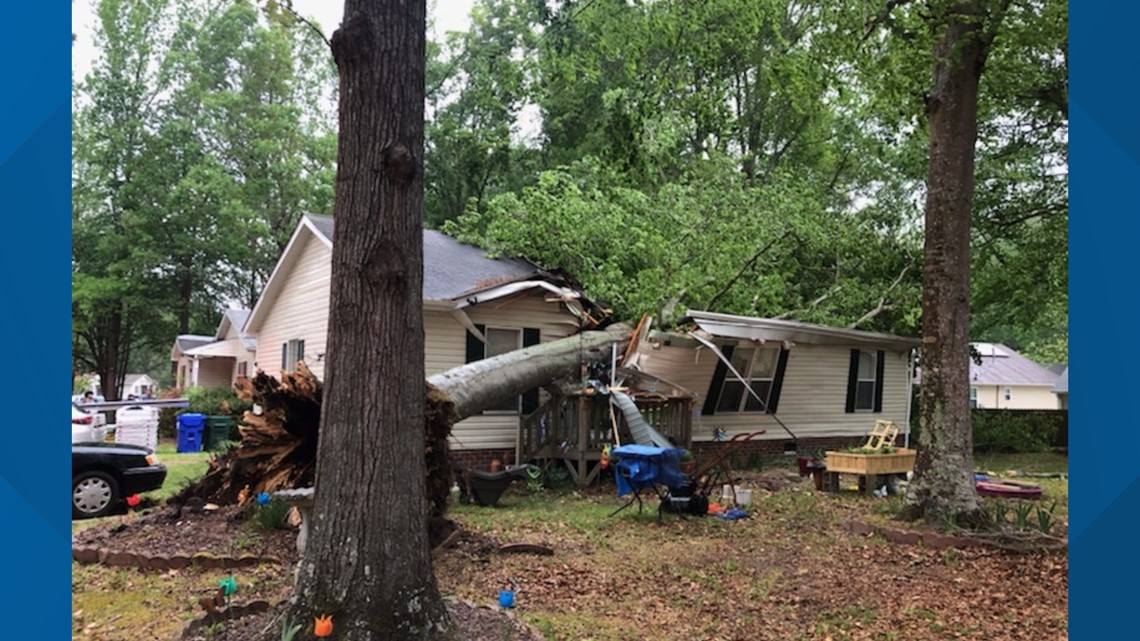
{"points": [[322, 626]]}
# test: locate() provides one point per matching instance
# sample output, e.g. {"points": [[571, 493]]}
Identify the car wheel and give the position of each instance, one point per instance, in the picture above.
{"points": [[93, 494]]}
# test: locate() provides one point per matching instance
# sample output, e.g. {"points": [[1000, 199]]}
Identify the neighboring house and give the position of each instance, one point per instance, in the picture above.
{"points": [[139, 386], [824, 385], [1061, 389], [474, 307], [218, 360], [1007, 380]]}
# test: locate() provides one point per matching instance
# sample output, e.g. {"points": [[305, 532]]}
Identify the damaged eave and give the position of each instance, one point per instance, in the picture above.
{"points": [[787, 333]]}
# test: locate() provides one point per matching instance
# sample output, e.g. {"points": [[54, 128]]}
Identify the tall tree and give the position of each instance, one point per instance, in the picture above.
{"points": [[943, 487], [368, 563]]}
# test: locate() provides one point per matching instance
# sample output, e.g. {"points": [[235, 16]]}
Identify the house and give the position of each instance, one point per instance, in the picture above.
{"points": [[1061, 389], [1004, 379], [809, 386], [474, 307], [139, 386], [218, 360]]}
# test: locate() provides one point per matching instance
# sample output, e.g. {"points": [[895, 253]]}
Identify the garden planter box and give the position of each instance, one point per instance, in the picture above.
{"points": [[899, 461]]}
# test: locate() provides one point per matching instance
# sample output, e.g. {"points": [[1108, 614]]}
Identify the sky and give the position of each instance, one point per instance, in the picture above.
{"points": [[448, 15]]}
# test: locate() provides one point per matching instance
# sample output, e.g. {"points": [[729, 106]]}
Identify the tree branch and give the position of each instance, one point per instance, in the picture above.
{"points": [[743, 268], [288, 6], [811, 306], [882, 18], [883, 305]]}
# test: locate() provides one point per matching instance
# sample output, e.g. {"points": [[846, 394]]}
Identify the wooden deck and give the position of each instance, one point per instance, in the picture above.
{"points": [[574, 429]]}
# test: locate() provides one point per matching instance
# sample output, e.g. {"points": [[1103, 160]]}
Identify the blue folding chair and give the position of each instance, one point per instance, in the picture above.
{"points": [[640, 468]]}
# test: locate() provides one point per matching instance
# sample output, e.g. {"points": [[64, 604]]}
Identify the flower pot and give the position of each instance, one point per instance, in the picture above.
{"points": [[817, 476]]}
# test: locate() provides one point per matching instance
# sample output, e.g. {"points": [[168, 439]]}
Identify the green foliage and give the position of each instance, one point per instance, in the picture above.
{"points": [[272, 516], [197, 129], [1008, 432], [216, 401], [289, 630]]}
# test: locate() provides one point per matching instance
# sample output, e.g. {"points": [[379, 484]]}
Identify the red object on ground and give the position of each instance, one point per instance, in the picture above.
{"points": [[133, 500], [1008, 489]]}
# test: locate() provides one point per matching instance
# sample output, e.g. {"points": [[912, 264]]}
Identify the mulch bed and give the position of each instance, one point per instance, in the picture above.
{"points": [[185, 530]]}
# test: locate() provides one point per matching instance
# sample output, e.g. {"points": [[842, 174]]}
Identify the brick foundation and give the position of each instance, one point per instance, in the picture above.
{"points": [[759, 448], [776, 447], [481, 459]]}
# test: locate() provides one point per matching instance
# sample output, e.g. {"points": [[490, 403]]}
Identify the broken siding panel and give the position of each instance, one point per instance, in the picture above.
{"points": [[301, 311], [526, 310], [688, 367]]}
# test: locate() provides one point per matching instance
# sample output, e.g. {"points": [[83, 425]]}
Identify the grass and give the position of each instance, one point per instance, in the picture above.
{"points": [[789, 571], [180, 470], [1045, 462]]}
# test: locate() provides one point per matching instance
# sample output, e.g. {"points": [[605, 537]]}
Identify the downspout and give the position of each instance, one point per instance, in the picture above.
{"points": [[909, 394]]}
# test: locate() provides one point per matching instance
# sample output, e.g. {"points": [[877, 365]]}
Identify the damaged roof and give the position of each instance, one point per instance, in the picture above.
{"points": [[778, 330]]}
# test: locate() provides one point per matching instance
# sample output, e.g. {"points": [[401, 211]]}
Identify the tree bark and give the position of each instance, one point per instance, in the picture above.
{"points": [[367, 563], [943, 487]]}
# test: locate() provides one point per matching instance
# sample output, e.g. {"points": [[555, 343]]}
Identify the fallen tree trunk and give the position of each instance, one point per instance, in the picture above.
{"points": [[278, 443]]}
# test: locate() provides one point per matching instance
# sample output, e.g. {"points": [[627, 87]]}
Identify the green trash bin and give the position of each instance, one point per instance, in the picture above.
{"points": [[217, 430]]}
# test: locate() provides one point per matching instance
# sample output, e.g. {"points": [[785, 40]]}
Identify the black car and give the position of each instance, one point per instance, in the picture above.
{"points": [[104, 474]]}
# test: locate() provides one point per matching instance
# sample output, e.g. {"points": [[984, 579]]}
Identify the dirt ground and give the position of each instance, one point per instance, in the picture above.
{"points": [[791, 571]]}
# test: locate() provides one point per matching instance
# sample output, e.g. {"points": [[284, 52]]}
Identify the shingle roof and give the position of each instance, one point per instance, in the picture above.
{"points": [[237, 318], [1003, 366], [1062, 384], [451, 268], [190, 341]]}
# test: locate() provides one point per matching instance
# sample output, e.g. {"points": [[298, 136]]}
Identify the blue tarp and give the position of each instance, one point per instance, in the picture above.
{"points": [[639, 467]]}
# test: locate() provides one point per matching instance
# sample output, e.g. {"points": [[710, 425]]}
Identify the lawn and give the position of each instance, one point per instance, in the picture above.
{"points": [[791, 571]]}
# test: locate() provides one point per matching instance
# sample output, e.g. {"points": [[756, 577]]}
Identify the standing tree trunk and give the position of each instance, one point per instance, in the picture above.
{"points": [[367, 563], [943, 488]]}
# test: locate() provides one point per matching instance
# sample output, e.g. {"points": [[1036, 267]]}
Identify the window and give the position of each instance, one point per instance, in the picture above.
{"points": [[1008, 394], [291, 353], [758, 367], [501, 340], [243, 369], [973, 397], [865, 381]]}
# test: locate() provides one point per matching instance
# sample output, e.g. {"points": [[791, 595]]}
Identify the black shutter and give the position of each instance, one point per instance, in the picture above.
{"points": [[777, 382], [852, 380], [880, 356], [721, 371], [476, 350], [300, 350], [285, 356], [531, 336]]}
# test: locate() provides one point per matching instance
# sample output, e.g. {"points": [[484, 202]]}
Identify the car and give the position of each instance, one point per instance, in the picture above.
{"points": [[87, 426], [103, 475]]}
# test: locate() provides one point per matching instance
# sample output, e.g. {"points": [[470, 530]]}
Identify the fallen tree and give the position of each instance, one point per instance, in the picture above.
{"points": [[278, 444]]}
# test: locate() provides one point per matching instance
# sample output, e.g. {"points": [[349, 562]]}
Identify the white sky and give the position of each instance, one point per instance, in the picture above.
{"points": [[448, 15]]}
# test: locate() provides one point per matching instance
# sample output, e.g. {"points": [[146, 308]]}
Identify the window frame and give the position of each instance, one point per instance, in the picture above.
{"points": [[860, 380], [749, 376], [292, 351]]}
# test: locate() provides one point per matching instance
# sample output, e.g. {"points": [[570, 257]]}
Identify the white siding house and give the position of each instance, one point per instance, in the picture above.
{"points": [[817, 382], [503, 301]]}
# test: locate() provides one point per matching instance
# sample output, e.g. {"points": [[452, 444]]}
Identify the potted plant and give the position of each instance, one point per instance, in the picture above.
{"points": [[688, 464]]}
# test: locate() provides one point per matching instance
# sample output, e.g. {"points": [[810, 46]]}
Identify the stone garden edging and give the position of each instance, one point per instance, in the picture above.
{"points": [[92, 554]]}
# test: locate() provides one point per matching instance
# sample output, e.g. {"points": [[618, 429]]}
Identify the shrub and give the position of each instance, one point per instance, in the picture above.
{"points": [[271, 516], [211, 401], [1008, 432]]}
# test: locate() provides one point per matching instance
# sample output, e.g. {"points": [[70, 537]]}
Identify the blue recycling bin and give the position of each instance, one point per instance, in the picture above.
{"points": [[190, 428]]}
